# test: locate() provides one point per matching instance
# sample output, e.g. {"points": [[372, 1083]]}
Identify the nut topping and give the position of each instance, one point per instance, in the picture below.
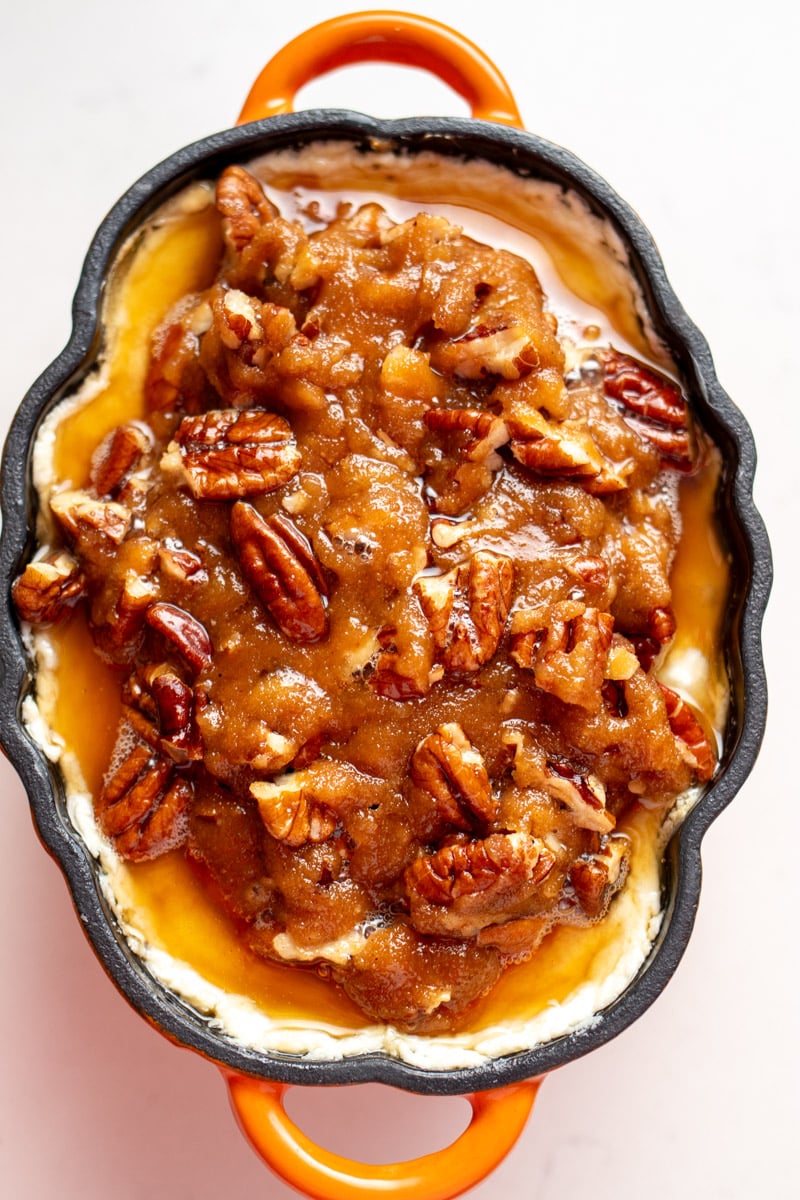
{"points": [[584, 795], [448, 767], [244, 207], [652, 406], [279, 563], [175, 381], [505, 351], [226, 454], [292, 811], [308, 805], [465, 887], [648, 644], [597, 877], [467, 609], [563, 450], [48, 589], [184, 633], [160, 707], [485, 431], [89, 522], [142, 806], [566, 648], [687, 728], [121, 453]]}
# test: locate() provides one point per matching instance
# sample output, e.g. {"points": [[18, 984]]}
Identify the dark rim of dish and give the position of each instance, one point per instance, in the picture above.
{"points": [[742, 529]]}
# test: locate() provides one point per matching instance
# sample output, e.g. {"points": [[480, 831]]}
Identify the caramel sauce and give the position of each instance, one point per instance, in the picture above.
{"points": [[173, 910]]}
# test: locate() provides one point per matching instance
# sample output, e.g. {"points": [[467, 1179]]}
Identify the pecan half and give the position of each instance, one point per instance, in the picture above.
{"points": [[279, 563], [687, 728], [160, 707], [48, 589], [120, 454], [226, 454], [447, 766], [566, 648], [467, 609], [651, 405], [463, 888], [142, 806], [188, 636]]}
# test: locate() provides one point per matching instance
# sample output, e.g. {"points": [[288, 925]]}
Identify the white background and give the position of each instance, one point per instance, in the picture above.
{"points": [[690, 110]]}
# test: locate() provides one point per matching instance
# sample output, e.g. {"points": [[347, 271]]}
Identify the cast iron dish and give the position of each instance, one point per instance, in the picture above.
{"points": [[502, 1090]]}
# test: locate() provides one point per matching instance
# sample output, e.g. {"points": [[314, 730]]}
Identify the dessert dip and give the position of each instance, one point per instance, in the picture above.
{"points": [[363, 622]]}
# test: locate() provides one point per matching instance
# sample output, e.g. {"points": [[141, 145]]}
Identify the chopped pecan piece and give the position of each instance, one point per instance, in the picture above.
{"points": [[485, 431], [507, 351], [241, 322], [226, 454], [180, 563], [118, 607], [279, 563], [292, 812], [583, 794], [566, 647], [120, 454], [243, 205], [160, 707], [463, 888], [143, 806], [595, 878], [175, 380], [648, 643], [403, 670], [308, 805], [89, 522], [48, 589], [447, 766], [687, 728], [184, 633], [652, 405], [564, 450], [467, 609]]}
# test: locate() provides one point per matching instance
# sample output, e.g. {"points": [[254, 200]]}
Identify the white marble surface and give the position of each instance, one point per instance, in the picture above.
{"points": [[690, 110]]}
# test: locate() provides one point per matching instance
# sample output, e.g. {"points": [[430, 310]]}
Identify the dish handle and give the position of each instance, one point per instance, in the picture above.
{"points": [[498, 1118], [396, 37]]}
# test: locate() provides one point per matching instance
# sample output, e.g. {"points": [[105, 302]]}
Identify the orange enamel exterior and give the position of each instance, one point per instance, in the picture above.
{"points": [[382, 37], [498, 1118]]}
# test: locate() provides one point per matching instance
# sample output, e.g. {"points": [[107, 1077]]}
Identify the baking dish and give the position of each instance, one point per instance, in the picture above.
{"points": [[524, 156]]}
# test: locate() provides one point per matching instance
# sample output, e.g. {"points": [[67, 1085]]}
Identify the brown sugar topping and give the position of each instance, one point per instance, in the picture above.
{"points": [[386, 587]]}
